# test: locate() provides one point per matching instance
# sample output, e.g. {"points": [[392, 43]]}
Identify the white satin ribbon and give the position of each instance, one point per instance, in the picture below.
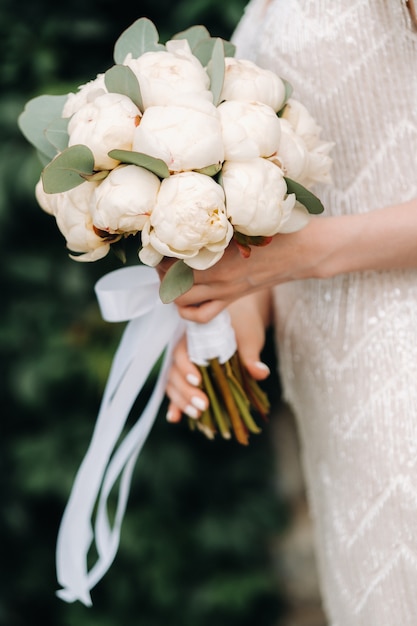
{"points": [[127, 294], [213, 340]]}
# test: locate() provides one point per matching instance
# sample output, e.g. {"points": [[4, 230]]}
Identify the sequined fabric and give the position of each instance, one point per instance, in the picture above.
{"points": [[347, 346]]}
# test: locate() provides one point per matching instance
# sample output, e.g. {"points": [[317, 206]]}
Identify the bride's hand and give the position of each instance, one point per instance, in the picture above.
{"points": [[286, 257], [249, 316]]}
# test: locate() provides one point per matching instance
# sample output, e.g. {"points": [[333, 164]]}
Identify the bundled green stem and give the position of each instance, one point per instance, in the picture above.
{"points": [[233, 395]]}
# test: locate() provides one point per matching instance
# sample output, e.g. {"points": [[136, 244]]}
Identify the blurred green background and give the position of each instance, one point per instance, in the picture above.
{"points": [[195, 547]]}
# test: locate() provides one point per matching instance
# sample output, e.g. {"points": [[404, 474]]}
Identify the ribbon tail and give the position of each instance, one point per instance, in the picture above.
{"points": [[147, 336]]}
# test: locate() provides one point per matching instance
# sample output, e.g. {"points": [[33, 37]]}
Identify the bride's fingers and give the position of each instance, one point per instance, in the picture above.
{"points": [[184, 396], [203, 312]]}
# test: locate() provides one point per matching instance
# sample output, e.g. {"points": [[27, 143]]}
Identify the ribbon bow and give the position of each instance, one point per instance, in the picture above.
{"points": [[130, 293]]}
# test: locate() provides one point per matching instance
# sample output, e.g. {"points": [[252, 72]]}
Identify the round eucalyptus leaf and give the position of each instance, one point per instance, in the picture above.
{"points": [[68, 170], [142, 36], [38, 114], [193, 35], [121, 79], [57, 133]]}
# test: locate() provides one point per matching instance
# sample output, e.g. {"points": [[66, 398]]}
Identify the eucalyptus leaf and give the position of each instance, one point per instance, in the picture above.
{"points": [[121, 79], [57, 133], [193, 35], [156, 166], [210, 170], [304, 197], [288, 94], [142, 36], [178, 280], [229, 48], [204, 50], [68, 170], [216, 70], [38, 114]]}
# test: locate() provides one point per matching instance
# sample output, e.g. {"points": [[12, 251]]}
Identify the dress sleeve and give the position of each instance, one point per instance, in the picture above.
{"points": [[247, 32]]}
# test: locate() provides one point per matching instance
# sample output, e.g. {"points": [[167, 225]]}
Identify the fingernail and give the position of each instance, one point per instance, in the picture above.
{"points": [[262, 366], [193, 380], [170, 416], [191, 411], [199, 403]]}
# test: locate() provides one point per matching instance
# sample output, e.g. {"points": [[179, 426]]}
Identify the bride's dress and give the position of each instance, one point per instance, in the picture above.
{"points": [[348, 345]]}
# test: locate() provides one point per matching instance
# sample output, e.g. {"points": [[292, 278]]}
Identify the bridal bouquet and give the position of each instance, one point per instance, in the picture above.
{"points": [[188, 150]]}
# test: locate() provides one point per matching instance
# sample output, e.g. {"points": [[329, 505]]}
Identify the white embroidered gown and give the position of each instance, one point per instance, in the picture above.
{"points": [[347, 346]]}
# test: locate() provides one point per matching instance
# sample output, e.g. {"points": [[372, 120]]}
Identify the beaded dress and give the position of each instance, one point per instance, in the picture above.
{"points": [[347, 346]]}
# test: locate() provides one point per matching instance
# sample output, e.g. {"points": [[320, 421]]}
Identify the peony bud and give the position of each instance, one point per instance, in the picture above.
{"points": [[245, 80], [185, 138], [257, 203], [166, 75], [306, 165], [106, 124], [188, 222], [86, 93], [123, 201], [72, 213], [250, 129]]}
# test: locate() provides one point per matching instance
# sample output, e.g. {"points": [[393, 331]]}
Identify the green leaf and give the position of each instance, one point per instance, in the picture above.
{"points": [[37, 116], [229, 49], [288, 94], [178, 279], [204, 50], [210, 170], [156, 166], [121, 79], [68, 170], [57, 133], [304, 196], [216, 70], [193, 35], [142, 36]]}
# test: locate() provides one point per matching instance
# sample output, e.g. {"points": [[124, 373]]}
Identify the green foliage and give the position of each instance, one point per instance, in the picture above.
{"points": [[305, 197], [178, 279], [194, 548]]}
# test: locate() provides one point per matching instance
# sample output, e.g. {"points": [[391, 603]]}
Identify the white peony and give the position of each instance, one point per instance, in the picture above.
{"points": [[306, 166], [245, 80], [292, 153], [123, 201], [188, 222], [86, 93], [303, 123], [185, 138], [72, 213], [257, 203], [107, 123], [47, 201], [250, 129], [166, 75]]}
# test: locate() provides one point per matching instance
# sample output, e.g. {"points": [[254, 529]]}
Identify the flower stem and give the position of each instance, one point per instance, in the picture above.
{"points": [[239, 428], [214, 403]]}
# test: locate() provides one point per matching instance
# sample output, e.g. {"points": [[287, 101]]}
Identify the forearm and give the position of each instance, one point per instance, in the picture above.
{"points": [[378, 240], [327, 246]]}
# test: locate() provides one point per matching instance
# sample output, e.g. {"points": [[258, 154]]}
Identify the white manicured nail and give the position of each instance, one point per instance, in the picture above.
{"points": [[191, 411], [193, 380], [170, 416], [262, 366], [199, 403]]}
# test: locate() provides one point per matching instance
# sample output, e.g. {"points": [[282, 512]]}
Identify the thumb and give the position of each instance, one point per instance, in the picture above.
{"points": [[256, 368], [250, 338]]}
